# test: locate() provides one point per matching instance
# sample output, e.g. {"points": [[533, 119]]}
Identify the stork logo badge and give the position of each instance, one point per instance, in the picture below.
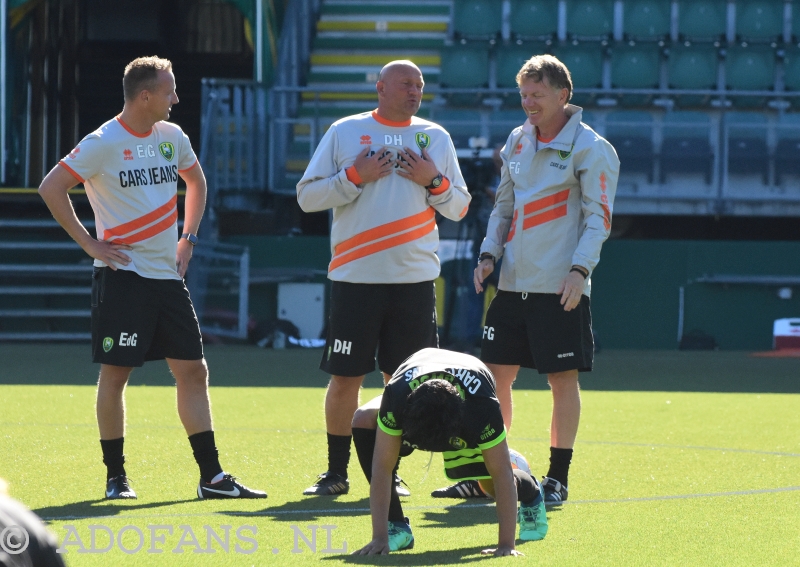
{"points": [[423, 140], [458, 443], [167, 150], [108, 344], [564, 155]]}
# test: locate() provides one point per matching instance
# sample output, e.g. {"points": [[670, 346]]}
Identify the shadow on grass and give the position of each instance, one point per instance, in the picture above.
{"points": [[240, 365], [440, 557], [461, 515], [307, 510], [99, 508]]}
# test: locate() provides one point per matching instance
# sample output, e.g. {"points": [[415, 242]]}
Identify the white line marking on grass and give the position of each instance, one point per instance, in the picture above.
{"points": [[266, 513]]}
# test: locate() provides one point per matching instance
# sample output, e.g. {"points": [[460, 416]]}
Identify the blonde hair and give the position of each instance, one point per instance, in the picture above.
{"points": [[142, 74], [540, 67]]}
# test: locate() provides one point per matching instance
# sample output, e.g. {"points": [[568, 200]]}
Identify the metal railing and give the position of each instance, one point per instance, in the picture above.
{"points": [[218, 280]]}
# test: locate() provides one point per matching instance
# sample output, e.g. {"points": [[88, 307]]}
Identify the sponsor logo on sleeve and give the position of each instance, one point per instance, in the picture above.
{"points": [[487, 432], [388, 420]]}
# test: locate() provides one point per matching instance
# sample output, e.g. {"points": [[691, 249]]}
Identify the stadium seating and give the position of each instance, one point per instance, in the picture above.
{"points": [[477, 19], [692, 67], [585, 64], [630, 132], [534, 20], [788, 148], [759, 20], [685, 147], [702, 20], [750, 68], [501, 123], [635, 67], [747, 143], [464, 66], [590, 20], [646, 20], [510, 60], [461, 124]]}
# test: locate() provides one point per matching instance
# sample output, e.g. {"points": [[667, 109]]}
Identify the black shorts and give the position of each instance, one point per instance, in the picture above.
{"points": [[534, 331], [136, 319], [396, 319]]}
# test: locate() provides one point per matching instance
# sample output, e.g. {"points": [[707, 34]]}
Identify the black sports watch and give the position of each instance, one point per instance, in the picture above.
{"points": [[192, 238], [436, 183]]}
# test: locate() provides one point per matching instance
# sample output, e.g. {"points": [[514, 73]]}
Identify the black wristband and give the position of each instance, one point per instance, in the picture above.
{"points": [[486, 256], [581, 272]]}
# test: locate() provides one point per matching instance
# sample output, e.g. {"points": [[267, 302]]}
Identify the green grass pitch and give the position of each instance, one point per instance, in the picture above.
{"points": [[681, 459]]}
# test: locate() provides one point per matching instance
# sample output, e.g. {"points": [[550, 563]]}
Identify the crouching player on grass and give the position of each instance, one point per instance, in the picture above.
{"points": [[443, 401]]}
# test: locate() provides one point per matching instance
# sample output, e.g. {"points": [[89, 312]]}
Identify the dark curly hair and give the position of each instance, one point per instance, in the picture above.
{"points": [[433, 415]]}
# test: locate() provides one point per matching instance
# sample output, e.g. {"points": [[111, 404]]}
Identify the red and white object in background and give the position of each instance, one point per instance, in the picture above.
{"points": [[786, 334]]}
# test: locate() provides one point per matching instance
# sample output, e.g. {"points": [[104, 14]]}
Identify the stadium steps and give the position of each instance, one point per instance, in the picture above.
{"points": [[355, 39]]}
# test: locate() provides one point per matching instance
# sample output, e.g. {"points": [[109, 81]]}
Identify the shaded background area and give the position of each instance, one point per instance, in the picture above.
{"points": [[635, 370]]}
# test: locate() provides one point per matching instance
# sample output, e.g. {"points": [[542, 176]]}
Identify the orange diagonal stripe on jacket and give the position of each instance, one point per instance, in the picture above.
{"points": [[375, 239], [135, 229]]}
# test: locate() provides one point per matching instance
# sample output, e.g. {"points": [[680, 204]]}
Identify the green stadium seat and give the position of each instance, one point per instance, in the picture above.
{"points": [[759, 20], [502, 122], [585, 64], [692, 67], [461, 124], [510, 60], [631, 134], [635, 67], [534, 19], [646, 20], [464, 67], [788, 148], [590, 20], [750, 68], [702, 20], [747, 143], [477, 19], [686, 147]]}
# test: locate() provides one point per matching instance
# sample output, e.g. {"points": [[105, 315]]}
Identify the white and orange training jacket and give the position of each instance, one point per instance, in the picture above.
{"points": [[384, 231], [131, 181], [553, 206]]}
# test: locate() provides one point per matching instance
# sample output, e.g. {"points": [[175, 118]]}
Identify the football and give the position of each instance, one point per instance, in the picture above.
{"points": [[518, 461]]}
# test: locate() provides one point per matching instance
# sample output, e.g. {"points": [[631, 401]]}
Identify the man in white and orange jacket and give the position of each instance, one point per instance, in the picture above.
{"points": [[385, 174], [551, 216]]}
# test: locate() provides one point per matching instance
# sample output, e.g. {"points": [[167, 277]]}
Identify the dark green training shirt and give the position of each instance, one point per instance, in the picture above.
{"points": [[483, 427]]}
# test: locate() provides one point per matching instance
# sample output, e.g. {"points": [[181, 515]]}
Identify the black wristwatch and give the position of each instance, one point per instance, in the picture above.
{"points": [[486, 256], [436, 183], [192, 238]]}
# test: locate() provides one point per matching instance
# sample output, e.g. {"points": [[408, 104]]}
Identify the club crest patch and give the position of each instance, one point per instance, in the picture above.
{"points": [[108, 344], [564, 155], [457, 443], [167, 150], [422, 140]]}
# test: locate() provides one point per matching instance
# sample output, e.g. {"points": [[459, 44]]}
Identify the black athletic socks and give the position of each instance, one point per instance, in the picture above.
{"points": [[364, 440], [206, 454], [339, 453], [113, 457], [559, 464], [526, 486]]}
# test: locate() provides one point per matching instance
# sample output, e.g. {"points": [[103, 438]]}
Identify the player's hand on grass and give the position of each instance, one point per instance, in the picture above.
{"points": [[108, 252], [375, 547], [482, 271], [184, 254], [418, 168], [372, 167], [502, 551], [571, 289]]}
